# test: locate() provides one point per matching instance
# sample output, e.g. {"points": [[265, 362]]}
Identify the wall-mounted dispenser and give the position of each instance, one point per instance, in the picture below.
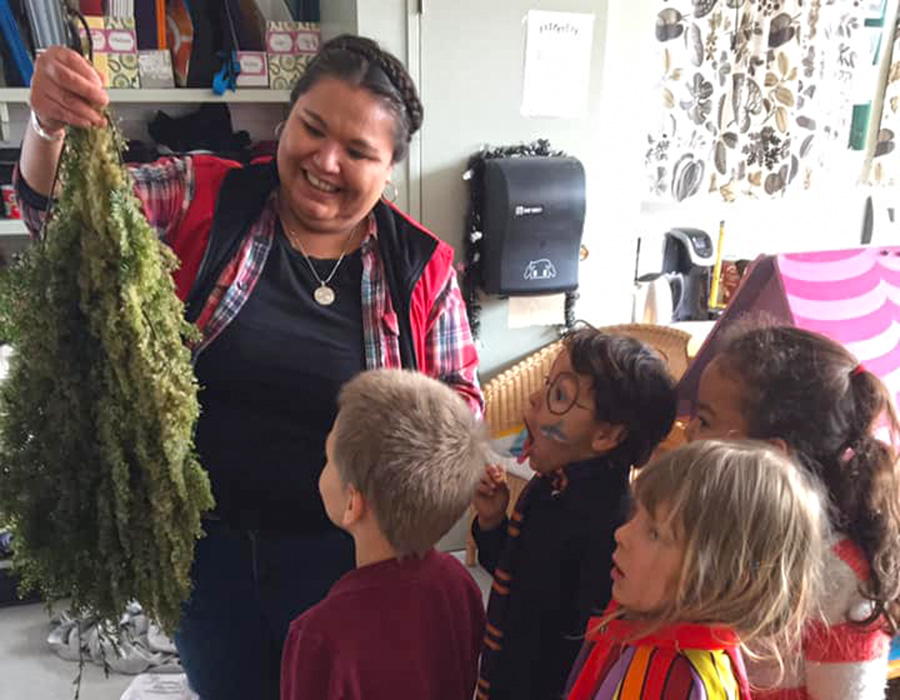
{"points": [[533, 218]]}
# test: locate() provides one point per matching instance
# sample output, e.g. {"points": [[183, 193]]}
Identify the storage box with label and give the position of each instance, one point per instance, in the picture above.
{"points": [[254, 69], [121, 49], [114, 45], [290, 47]]}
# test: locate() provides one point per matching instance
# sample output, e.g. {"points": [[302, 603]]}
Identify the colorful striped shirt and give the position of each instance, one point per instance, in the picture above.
{"points": [[165, 188], [682, 662]]}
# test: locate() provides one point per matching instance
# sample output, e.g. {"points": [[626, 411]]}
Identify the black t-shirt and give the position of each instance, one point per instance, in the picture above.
{"points": [[269, 386]]}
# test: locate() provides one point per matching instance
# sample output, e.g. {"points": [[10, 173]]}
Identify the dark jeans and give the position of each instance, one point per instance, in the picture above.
{"points": [[248, 587]]}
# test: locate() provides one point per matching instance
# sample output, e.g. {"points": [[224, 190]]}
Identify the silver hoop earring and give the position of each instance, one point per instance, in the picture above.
{"points": [[279, 128], [390, 192]]}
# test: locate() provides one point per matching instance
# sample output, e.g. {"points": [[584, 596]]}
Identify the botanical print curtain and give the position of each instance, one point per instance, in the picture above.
{"points": [[755, 94]]}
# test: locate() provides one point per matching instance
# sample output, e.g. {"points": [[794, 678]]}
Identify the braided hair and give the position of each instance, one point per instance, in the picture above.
{"points": [[362, 62], [812, 393]]}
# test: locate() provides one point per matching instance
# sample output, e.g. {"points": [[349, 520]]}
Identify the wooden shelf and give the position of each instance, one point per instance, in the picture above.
{"points": [[171, 96], [12, 227]]}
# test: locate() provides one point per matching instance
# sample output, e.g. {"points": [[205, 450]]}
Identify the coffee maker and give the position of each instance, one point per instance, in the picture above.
{"points": [[688, 259]]}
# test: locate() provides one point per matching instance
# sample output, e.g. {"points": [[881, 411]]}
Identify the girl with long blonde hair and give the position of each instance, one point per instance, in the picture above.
{"points": [[724, 549]]}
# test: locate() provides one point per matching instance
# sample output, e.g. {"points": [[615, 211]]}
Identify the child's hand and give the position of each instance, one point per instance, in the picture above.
{"points": [[491, 497]]}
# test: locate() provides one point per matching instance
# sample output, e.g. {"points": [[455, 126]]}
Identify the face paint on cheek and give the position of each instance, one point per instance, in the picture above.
{"points": [[554, 432]]}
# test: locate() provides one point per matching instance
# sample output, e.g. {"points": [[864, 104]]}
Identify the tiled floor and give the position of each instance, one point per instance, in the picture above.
{"points": [[29, 671]]}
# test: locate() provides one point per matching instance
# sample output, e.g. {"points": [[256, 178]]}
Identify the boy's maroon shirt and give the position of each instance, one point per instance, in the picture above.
{"points": [[395, 629]]}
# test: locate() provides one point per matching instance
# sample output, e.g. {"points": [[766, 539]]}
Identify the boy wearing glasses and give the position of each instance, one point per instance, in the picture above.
{"points": [[609, 400]]}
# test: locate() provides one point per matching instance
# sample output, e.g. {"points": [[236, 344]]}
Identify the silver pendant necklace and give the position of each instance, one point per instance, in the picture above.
{"points": [[323, 294]]}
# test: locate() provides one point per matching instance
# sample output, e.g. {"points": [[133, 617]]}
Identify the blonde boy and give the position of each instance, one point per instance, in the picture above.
{"points": [[403, 458]]}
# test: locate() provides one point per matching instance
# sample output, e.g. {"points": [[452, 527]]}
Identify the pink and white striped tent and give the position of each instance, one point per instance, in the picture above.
{"points": [[852, 296]]}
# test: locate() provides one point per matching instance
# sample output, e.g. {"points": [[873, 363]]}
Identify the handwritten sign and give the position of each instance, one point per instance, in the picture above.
{"points": [[557, 64]]}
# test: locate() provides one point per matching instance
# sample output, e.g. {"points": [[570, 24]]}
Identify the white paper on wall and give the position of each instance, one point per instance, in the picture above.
{"points": [[557, 64], [546, 310]]}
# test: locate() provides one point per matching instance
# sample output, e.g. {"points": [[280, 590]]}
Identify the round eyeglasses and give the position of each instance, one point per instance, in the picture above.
{"points": [[562, 393]]}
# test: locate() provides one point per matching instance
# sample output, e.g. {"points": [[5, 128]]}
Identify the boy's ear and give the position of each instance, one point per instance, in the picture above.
{"points": [[779, 444], [355, 507], [607, 437]]}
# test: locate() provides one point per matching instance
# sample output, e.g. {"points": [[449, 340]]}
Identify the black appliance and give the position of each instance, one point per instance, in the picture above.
{"points": [[688, 258], [533, 217]]}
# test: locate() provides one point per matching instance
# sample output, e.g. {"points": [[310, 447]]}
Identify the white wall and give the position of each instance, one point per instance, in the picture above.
{"points": [[616, 149], [338, 17], [804, 222]]}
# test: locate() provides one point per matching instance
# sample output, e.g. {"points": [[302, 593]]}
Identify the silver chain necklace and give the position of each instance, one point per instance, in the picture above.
{"points": [[324, 295]]}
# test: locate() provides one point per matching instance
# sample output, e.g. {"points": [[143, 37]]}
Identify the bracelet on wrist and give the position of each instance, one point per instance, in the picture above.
{"points": [[42, 133]]}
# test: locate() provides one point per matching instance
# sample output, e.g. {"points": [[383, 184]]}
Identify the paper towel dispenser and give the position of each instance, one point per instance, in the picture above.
{"points": [[533, 217]]}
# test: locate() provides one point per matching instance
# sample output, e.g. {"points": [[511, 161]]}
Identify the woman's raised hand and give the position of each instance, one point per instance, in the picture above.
{"points": [[66, 90]]}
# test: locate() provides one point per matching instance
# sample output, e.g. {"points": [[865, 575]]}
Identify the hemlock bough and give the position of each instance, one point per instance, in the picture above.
{"points": [[98, 475]]}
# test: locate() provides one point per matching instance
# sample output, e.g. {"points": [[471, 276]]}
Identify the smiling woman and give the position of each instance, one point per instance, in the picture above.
{"points": [[334, 158], [324, 279]]}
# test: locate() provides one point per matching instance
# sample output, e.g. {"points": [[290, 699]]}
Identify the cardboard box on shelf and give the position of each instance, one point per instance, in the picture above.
{"points": [[155, 69]]}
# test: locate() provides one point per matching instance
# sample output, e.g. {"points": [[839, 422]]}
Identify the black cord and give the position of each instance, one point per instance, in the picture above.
{"points": [[74, 18], [42, 234], [75, 41], [569, 314]]}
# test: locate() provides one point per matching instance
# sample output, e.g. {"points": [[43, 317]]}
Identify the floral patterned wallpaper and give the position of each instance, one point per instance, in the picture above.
{"points": [[755, 94]]}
